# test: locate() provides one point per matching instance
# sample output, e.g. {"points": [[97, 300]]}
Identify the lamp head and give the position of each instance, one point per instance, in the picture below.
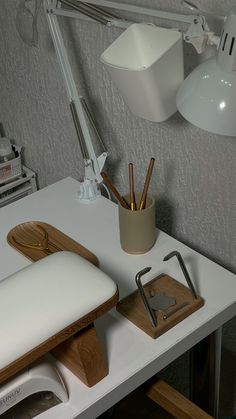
{"points": [[207, 97]]}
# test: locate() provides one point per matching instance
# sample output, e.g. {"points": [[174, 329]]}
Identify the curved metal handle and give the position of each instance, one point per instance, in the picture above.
{"points": [[184, 270], [151, 313]]}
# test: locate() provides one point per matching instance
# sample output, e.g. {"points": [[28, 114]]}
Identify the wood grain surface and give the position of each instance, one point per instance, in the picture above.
{"points": [[32, 234], [133, 307], [83, 356]]}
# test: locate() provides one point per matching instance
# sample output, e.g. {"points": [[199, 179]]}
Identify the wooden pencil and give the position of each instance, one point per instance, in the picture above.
{"points": [[131, 187], [115, 192], [142, 203]]}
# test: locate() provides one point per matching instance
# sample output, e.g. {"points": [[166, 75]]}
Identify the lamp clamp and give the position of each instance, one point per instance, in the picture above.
{"points": [[199, 34]]}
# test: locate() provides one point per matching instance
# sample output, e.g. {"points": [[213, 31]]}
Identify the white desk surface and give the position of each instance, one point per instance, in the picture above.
{"points": [[132, 356]]}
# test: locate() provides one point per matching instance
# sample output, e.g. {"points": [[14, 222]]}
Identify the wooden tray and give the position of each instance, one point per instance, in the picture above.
{"points": [[133, 308], [33, 232]]}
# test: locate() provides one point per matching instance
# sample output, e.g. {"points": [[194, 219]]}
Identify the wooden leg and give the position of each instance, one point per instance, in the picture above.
{"points": [[82, 355], [205, 362], [174, 402]]}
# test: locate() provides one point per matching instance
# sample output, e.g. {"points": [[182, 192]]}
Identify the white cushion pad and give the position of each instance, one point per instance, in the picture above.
{"points": [[44, 298]]}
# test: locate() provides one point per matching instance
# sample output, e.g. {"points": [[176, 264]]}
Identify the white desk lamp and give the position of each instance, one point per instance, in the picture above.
{"points": [[207, 97], [198, 34], [149, 74]]}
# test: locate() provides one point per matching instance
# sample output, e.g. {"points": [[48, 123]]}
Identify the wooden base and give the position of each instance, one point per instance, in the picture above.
{"points": [[65, 334], [77, 346], [82, 355], [133, 308]]}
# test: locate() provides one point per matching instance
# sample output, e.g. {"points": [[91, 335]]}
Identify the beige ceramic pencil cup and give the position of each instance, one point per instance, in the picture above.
{"points": [[137, 228]]}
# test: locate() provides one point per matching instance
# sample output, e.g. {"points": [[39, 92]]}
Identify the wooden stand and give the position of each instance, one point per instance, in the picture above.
{"points": [[133, 308], [83, 356], [84, 349], [77, 346], [34, 232]]}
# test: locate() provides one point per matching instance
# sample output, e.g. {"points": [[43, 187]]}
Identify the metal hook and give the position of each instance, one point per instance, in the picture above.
{"points": [[143, 296], [184, 270]]}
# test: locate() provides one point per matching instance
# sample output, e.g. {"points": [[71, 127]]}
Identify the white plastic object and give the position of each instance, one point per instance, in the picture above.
{"points": [[11, 169], [146, 64], [18, 188], [6, 151], [207, 97], [40, 377], [89, 190], [46, 297]]}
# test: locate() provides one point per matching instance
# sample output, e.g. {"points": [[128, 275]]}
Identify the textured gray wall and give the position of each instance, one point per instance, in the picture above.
{"points": [[195, 173]]}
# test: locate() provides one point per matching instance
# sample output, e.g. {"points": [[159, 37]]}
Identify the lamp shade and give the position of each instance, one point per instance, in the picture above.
{"points": [[207, 97]]}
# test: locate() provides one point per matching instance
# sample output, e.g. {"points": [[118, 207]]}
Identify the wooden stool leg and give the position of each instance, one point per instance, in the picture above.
{"points": [[174, 402], [82, 355]]}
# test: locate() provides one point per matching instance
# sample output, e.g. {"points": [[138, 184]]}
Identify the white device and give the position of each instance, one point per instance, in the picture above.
{"points": [[24, 185], [39, 377]]}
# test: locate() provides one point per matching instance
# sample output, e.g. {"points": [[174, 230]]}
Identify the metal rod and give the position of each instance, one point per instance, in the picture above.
{"points": [[71, 87], [174, 310], [143, 10], [90, 10], [102, 11], [85, 9], [61, 54], [184, 270], [143, 296], [118, 23], [79, 130], [92, 121]]}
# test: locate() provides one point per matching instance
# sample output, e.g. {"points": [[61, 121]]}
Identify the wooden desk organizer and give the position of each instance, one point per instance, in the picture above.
{"points": [[133, 307], [52, 305]]}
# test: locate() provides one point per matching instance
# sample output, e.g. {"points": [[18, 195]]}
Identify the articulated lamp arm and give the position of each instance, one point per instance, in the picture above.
{"points": [[80, 112], [198, 33]]}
